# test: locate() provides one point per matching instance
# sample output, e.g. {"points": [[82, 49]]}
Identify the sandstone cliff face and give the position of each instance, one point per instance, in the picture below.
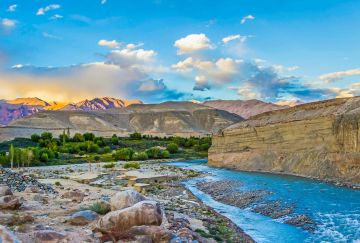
{"points": [[319, 140]]}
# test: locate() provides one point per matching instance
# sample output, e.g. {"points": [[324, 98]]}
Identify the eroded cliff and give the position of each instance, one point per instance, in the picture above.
{"points": [[319, 140]]}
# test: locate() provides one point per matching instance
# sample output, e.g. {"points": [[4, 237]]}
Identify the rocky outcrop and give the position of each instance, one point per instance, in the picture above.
{"points": [[319, 140]]}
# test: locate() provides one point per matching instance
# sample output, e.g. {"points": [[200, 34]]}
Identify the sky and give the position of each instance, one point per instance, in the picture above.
{"points": [[160, 50]]}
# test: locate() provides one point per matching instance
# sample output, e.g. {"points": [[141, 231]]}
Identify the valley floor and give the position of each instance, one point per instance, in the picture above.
{"points": [[44, 215]]}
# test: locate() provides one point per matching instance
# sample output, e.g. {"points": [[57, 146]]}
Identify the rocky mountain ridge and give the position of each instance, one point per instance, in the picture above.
{"points": [[11, 110], [244, 108], [168, 118]]}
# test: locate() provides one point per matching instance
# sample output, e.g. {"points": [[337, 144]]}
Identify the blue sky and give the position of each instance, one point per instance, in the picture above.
{"points": [[158, 50]]}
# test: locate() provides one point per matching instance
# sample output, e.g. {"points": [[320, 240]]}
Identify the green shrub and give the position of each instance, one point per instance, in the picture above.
{"points": [[109, 165], [101, 208], [44, 157], [35, 138], [140, 156], [124, 154], [173, 148], [133, 164], [135, 135], [153, 153], [164, 154], [57, 183]]}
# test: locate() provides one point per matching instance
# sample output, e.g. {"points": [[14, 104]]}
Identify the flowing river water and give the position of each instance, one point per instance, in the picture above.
{"points": [[336, 210]]}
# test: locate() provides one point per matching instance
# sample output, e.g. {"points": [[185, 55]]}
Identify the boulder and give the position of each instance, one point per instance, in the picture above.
{"points": [[120, 221], [75, 195], [158, 234], [9, 202], [7, 236], [125, 199], [83, 217], [48, 236], [5, 190]]}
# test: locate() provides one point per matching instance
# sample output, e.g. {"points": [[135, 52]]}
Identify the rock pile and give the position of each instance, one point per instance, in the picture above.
{"points": [[19, 182]]}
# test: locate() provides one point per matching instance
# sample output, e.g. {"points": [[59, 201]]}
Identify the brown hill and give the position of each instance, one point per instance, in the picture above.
{"points": [[169, 118], [243, 108]]}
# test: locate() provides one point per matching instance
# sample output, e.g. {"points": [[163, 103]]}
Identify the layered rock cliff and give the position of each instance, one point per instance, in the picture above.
{"points": [[318, 140]]}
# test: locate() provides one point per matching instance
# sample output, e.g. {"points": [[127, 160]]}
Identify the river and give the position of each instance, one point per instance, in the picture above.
{"points": [[336, 210]]}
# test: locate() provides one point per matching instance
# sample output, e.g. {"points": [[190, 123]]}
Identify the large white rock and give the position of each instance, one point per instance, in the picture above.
{"points": [[125, 199], [120, 221]]}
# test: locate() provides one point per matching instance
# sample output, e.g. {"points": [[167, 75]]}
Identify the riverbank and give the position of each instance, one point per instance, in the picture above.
{"points": [[279, 208], [184, 214]]}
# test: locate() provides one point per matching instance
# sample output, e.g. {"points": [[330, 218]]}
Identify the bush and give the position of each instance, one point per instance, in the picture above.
{"points": [[107, 149], [133, 164], [140, 156], [46, 136], [124, 154], [35, 138], [172, 148], [165, 154], [89, 136], [153, 153], [44, 157], [109, 165], [101, 208], [135, 135], [78, 138]]}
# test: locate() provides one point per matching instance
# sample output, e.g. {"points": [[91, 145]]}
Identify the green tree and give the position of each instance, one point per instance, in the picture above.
{"points": [[46, 136], [78, 137], [35, 138], [44, 157], [173, 148], [89, 136], [154, 152], [124, 154], [114, 139], [12, 155], [135, 135]]}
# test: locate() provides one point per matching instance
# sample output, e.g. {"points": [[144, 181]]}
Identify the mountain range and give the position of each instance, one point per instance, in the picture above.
{"points": [[11, 110]]}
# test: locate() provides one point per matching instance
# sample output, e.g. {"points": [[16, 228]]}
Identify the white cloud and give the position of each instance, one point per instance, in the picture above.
{"points": [[132, 57], [12, 8], [133, 46], [193, 43], [56, 16], [50, 36], [111, 44], [246, 18], [8, 23], [42, 11], [337, 76], [103, 1], [230, 38]]}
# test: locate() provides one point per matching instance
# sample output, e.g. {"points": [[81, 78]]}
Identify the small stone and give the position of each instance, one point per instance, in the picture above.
{"points": [[83, 217], [48, 236]]}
